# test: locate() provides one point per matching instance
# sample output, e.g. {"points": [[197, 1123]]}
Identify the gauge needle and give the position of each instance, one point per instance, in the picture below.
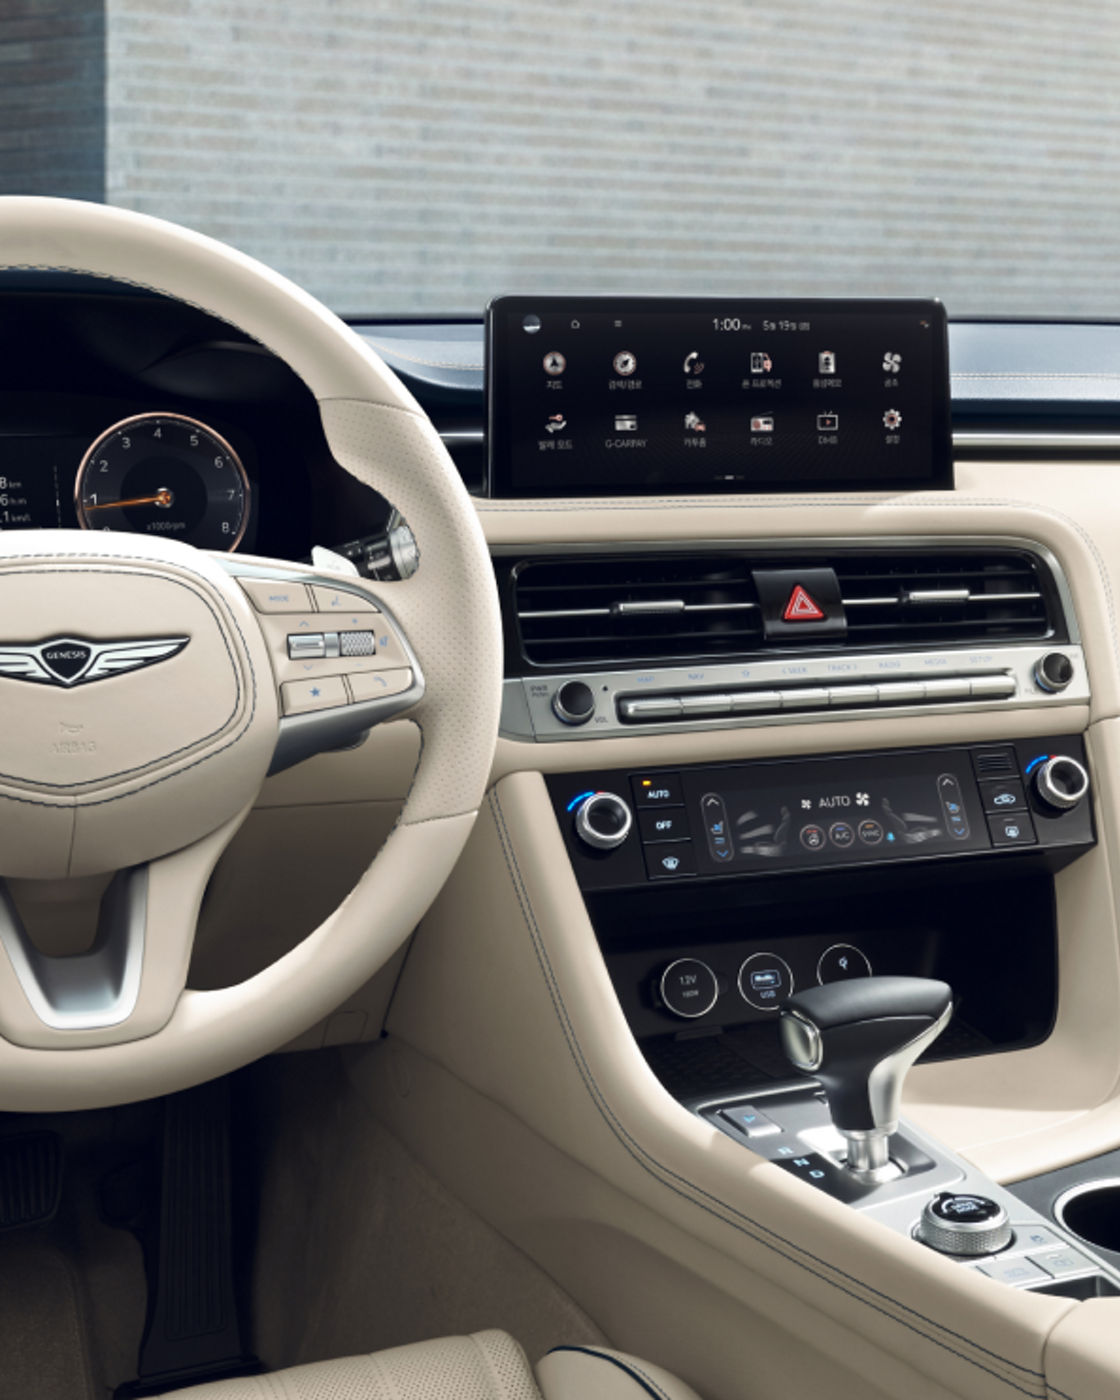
{"points": [[161, 498]]}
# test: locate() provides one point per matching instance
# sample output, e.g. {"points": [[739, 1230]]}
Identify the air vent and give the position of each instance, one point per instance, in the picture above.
{"points": [[944, 599], [587, 609], [584, 610]]}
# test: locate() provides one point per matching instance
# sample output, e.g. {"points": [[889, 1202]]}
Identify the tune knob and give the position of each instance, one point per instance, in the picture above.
{"points": [[574, 703], [1061, 782], [964, 1224], [1053, 672], [603, 821]]}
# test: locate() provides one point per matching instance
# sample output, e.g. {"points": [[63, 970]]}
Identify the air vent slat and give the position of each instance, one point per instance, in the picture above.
{"points": [[638, 609]]}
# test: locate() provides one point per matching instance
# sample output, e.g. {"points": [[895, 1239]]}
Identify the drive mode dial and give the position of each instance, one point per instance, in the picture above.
{"points": [[964, 1224], [603, 821]]}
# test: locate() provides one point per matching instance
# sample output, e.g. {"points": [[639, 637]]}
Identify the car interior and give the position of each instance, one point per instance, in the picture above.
{"points": [[571, 852]]}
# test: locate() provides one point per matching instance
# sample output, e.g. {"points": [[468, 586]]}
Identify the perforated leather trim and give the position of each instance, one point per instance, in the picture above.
{"points": [[483, 1366]]}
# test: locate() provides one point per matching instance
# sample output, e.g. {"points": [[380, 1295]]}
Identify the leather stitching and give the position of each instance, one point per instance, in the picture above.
{"points": [[721, 1210], [636, 1374]]}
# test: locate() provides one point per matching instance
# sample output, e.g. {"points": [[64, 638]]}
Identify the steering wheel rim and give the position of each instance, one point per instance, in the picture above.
{"points": [[448, 613]]}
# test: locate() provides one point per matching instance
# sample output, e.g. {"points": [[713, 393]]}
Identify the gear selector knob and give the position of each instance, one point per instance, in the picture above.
{"points": [[858, 1039]]}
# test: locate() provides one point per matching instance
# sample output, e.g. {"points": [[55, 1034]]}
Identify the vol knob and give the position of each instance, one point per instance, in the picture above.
{"points": [[970, 1225], [1061, 782], [574, 703], [603, 821]]}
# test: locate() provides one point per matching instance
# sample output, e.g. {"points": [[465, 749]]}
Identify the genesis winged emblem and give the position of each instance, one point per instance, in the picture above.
{"points": [[69, 661]]}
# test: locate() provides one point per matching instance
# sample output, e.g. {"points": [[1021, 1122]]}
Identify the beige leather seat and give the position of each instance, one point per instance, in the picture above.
{"points": [[483, 1366]]}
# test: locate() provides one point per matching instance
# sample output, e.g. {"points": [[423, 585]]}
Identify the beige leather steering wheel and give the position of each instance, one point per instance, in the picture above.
{"points": [[145, 695]]}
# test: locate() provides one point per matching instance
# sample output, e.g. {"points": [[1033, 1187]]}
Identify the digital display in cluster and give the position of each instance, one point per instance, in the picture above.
{"points": [[641, 396]]}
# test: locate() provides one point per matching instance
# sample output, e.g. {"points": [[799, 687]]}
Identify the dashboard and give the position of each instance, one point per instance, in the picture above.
{"points": [[127, 412]]}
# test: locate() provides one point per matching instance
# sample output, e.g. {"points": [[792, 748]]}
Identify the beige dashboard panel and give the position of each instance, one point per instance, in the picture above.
{"points": [[506, 990]]}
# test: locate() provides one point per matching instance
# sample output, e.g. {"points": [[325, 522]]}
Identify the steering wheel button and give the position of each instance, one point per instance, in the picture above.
{"points": [[275, 596], [307, 646], [375, 685], [322, 693], [341, 601]]}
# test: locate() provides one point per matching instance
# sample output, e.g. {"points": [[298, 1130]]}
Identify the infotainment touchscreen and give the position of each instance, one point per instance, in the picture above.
{"points": [[597, 396]]}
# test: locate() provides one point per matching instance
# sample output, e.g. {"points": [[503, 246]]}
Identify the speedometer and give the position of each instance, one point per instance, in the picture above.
{"points": [[164, 474]]}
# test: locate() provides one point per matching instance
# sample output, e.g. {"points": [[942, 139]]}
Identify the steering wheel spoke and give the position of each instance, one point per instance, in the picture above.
{"points": [[341, 659], [127, 984]]}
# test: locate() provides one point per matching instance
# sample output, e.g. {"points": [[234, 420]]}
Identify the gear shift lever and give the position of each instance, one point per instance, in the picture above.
{"points": [[859, 1038]]}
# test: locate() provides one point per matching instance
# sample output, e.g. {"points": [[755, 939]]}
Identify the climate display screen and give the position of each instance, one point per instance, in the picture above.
{"points": [[637, 395], [835, 812]]}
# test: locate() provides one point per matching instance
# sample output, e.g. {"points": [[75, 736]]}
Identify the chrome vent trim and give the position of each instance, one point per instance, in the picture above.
{"points": [[595, 609]]}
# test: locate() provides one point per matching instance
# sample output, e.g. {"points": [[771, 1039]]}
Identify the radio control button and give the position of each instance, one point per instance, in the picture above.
{"points": [[992, 687], [853, 694], [1053, 672], [811, 698], [654, 707], [765, 981], [948, 688], [745, 702], [323, 693], [698, 705], [902, 692], [574, 703]]}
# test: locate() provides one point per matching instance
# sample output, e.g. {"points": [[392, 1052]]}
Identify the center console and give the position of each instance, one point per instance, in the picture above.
{"points": [[725, 896]]}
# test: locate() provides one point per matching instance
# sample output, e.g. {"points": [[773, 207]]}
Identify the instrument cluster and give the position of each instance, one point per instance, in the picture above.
{"points": [[160, 473]]}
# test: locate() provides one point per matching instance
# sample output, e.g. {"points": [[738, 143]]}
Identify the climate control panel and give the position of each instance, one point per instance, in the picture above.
{"points": [[626, 828]]}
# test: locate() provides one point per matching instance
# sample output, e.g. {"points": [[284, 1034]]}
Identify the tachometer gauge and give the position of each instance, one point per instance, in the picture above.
{"points": [[163, 474]]}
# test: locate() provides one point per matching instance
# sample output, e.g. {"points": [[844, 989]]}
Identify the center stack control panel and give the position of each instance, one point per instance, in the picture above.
{"points": [[629, 828]]}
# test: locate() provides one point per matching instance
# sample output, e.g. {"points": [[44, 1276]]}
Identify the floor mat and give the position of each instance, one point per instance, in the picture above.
{"points": [[41, 1325]]}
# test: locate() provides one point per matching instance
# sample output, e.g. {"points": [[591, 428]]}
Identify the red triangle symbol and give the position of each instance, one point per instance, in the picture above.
{"points": [[801, 607]]}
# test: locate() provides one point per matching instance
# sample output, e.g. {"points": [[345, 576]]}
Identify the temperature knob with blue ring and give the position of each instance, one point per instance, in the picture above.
{"points": [[603, 821]]}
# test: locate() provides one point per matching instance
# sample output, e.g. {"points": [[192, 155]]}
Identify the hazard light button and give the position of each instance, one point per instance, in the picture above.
{"points": [[803, 603]]}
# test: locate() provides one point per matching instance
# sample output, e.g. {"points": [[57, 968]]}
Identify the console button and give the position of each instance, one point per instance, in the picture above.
{"points": [[765, 981], [1014, 830], [670, 860], [657, 790], [1063, 1263], [1000, 796], [841, 963], [746, 702], [751, 1122], [992, 687], [1036, 1237], [870, 831], [1016, 1272], [671, 825], [689, 988]]}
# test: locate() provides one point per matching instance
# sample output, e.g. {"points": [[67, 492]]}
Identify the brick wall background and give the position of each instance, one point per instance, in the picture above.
{"points": [[52, 97], [422, 155]]}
